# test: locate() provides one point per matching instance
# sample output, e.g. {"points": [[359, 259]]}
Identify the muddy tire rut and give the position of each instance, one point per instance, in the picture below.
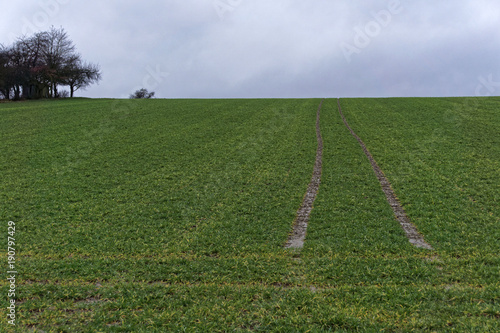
{"points": [[410, 229], [298, 234]]}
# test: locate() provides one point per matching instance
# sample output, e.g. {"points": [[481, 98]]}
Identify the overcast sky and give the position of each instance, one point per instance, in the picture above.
{"points": [[276, 48]]}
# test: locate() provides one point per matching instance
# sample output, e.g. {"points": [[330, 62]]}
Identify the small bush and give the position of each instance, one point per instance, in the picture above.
{"points": [[142, 93]]}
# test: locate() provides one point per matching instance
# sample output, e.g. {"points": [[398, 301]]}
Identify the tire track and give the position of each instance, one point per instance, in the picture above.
{"points": [[410, 229], [298, 234]]}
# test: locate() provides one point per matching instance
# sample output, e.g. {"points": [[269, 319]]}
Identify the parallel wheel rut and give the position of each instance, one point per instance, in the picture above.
{"points": [[410, 229]]}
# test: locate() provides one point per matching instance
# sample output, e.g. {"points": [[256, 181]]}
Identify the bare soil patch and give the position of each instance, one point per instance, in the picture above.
{"points": [[298, 234], [410, 229]]}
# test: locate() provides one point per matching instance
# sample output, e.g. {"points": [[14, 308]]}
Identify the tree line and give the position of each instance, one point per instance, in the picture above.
{"points": [[35, 66]]}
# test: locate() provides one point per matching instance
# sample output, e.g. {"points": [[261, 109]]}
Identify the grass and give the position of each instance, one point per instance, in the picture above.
{"points": [[171, 215], [444, 162], [162, 179]]}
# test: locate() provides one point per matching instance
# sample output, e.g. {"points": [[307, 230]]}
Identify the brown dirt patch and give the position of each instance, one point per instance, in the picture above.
{"points": [[298, 234]]}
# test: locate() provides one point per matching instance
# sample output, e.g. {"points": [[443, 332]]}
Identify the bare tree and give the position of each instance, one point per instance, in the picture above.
{"points": [[28, 68], [34, 67], [57, 55], [20, 59], [80, 75], [5, 72]]}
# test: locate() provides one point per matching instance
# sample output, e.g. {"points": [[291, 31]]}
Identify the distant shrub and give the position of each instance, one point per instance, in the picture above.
{"points": [[142, 93]]}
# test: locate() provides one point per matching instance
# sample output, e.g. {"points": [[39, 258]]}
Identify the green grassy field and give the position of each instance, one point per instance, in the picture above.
{"points": [[171, 215]]}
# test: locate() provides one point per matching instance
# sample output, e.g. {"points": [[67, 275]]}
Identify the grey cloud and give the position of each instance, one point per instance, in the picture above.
{"points": [[280, 48]]}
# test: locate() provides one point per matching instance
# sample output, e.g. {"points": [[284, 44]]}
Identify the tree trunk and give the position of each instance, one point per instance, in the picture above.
{"points": [[17, 92], [26, 91]]}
